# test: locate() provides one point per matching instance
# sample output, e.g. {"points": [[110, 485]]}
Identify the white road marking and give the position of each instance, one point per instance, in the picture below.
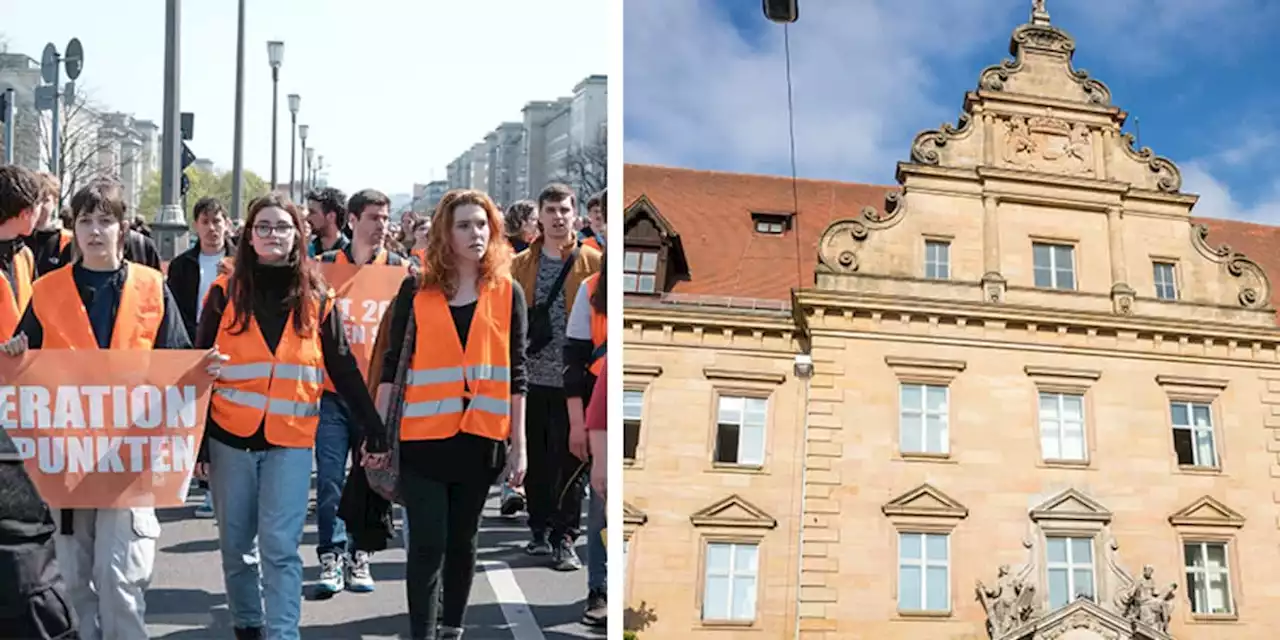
{"points": [[515, 609]]}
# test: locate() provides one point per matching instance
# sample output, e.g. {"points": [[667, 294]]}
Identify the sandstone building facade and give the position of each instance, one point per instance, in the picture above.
{"points": [[1021, 394]]}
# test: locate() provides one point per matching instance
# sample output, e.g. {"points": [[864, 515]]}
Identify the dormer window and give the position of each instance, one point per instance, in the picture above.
{"points": [[774, 224]]}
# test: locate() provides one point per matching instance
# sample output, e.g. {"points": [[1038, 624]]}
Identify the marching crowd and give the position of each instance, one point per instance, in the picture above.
{"points": [[488, 369]]}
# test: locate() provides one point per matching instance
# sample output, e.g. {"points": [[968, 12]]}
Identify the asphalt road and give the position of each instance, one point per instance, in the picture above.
{"points": [[514, 596]]}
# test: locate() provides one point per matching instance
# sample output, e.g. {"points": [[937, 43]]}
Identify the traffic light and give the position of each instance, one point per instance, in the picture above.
{"points": [[782, 11]]}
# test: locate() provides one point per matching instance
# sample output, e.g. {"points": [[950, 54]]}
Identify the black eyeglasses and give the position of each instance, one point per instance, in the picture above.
{"points": [[265, 230]]}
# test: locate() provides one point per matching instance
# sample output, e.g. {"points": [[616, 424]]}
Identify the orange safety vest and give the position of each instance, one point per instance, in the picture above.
{"points": [[13, 302], [599, 329], [64, 239], [281, 389], [66, 325], [421, 255], [443, 374], [380, 258], [593, 243]]}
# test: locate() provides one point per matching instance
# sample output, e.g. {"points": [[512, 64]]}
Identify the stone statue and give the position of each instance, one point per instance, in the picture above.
{"points": [[1144, 602], [1008, 604], [1037, 6]]}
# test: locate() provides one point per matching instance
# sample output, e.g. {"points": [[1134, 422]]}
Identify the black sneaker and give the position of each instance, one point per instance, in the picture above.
{"points": [[248, 633], [596, 613], [565, 558], [512, 503], [538, 546]]}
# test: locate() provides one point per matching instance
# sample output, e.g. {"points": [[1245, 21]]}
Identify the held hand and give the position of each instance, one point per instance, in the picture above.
{"points": [[15, 346], [517, 465], [201, 471], [578, 438], [213, 361]]}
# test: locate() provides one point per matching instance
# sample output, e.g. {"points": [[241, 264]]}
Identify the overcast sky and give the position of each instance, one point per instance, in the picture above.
{"points": [[393, 90]]}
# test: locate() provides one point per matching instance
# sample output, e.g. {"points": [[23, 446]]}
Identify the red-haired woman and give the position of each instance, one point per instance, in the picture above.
{"points": [[463, 394], [273, 317]]}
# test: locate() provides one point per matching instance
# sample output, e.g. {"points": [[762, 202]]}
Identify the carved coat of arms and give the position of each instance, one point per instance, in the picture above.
{"points": [[1048, 144]]}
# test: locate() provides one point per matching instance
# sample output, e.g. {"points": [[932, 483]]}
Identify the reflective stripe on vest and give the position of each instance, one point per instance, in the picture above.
{"points": [[66, 324], [14, 299], [599, 329], [450, 390], [280, 390]]}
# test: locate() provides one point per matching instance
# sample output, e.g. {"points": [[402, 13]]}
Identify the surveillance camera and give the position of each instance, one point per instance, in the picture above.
{"points": [[804, 365]]}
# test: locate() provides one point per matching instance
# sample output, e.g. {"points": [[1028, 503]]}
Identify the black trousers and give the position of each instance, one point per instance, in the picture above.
{"points": [[556, 479], [444, 523]]}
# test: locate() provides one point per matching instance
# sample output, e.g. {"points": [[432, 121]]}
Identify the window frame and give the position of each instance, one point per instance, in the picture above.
{"points": [[641, 252], [1229, 568], [704, 545], [1070, 567], [1190, 405], [924, 565], [945, 243], [924, 414], [746, 396], [928, 372], [1061, 423], [1058, 380], [755, 384], [1193, 390], [1053, 266], [1175, 282], [639, 377], [628, 388]]}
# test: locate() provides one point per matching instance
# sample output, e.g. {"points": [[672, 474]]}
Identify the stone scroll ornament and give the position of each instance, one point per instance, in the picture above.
{"points": [[1009, 603], [1256, 292], [838, 247]]}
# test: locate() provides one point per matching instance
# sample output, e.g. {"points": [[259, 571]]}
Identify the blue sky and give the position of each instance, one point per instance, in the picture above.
{"points": [[393, 90], [705, 84]]}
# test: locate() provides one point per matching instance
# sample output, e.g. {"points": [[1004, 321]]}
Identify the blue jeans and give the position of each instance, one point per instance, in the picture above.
{"points": [[333, 446], [597, 560], [261, 500]]}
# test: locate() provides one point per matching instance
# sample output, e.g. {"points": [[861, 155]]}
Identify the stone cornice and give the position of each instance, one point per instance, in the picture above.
{"points": [[842, 301]]}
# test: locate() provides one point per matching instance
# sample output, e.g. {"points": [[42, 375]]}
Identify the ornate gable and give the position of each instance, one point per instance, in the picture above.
{"points": [[1084, 620], [925, 501], [1071, 505], [1207, 512], [733, 511]]}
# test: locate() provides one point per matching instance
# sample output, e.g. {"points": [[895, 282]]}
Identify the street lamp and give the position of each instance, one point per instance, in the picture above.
{"points": [[295, 101], [319, 167], [275, 56], [311, 158], [302, 145]]}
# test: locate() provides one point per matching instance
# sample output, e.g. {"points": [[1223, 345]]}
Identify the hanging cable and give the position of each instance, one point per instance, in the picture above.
{"points": [[795, 185]]}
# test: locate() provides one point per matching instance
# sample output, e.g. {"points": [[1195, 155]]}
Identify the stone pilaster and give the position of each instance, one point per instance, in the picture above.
{"points": [[823, 475]]}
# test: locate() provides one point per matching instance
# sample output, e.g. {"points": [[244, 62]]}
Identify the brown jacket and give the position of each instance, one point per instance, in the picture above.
{"points": [[524, 269]]}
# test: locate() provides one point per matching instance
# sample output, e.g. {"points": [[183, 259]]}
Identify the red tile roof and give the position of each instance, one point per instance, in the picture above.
{"points": [[712, 213], [712, 210]]}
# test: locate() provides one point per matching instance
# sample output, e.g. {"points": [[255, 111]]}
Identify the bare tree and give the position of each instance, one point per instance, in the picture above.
{"points": [[89, 145], [586, 169]]}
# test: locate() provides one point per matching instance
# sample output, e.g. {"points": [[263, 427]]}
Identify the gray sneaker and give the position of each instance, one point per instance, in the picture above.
{"points": [[360, 580], [539, 546], [331, 575], [565, 558]]}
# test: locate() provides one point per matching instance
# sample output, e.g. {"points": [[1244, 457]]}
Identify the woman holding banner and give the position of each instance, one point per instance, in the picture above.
{"points": [[106, 555], [275, 319], [463, 387]]}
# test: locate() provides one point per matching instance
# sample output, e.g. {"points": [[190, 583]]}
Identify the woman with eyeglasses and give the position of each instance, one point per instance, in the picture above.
{"points": [[275, 320]]}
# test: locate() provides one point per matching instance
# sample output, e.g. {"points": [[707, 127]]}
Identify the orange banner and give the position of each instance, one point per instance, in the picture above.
{"points": [[364, 293], [101, 429]]}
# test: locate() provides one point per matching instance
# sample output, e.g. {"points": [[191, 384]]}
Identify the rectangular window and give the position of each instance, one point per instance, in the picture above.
{"points": [[1062, 426], [937, 260], [632, 409], [922, 418], [1166, 281], [1208, 577], [1193, 434], [924, 583], [771, 228], [740, 431], [639, 271], [1070, 565], [729, 592], [1054, 265], [771, 223]]}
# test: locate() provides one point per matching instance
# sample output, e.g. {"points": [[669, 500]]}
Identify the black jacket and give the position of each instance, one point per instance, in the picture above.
{"points": [[184, 282], [34, 603]]}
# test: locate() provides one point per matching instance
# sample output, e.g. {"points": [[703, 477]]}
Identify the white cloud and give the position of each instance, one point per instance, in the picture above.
{"points": [[1218, 201], [698, 94]]}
